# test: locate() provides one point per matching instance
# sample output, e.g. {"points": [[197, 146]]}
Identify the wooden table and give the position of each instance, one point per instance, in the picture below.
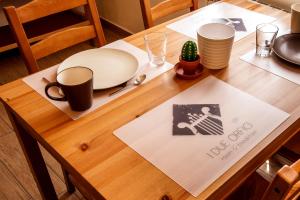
{"points": [[108, 168]]}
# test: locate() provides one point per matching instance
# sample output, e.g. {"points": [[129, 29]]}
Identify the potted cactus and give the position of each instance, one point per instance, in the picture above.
{"points": [[189, 58]]}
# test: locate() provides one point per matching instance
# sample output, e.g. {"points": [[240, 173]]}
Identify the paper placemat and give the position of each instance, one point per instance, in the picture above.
{"points": [[196, 136], [244, 20], [100, 97], [274, 65]]}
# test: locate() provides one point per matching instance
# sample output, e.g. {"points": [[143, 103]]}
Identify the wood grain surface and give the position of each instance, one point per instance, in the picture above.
{"points": [[53, 43], [88, 149], [164, 8], [46, 47], [44, 8]]}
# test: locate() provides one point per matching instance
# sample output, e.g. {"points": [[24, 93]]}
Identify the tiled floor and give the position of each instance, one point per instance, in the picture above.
{"points": [[16, 181]]}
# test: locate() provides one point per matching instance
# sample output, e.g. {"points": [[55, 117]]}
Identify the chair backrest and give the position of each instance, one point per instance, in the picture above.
{"points": [[286, 184], [164, 8], [59, 40]]}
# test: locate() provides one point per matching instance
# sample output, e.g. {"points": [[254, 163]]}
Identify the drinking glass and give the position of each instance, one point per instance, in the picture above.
{"points": [[265, 36], [156, 45]]}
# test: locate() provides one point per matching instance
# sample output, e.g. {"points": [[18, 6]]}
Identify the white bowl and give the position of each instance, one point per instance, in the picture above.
{"points": [[215, 42], [216, 31]]}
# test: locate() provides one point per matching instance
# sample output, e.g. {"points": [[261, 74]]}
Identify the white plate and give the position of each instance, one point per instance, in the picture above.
{"points": [[111, 67]]}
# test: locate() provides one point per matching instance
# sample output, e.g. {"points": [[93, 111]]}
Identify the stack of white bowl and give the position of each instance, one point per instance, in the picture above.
{"points": [[215, 42]]}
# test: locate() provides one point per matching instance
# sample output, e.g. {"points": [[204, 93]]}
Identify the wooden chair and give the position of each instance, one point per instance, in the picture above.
{"points": [[59, 40], [284, 186], [164, 8]]}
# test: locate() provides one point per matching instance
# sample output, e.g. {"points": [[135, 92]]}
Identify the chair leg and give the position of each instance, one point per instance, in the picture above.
{"points": [[69, 184]]}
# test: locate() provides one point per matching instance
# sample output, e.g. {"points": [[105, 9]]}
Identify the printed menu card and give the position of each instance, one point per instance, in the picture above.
{"points": [[200, 133]]}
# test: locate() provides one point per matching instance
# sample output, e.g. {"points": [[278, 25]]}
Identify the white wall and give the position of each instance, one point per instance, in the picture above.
{"points": [[281, 4], [125, 13], [4, 3]]}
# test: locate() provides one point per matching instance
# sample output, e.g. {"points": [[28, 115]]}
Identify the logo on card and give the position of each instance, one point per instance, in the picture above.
{"points": [[193, 119]]}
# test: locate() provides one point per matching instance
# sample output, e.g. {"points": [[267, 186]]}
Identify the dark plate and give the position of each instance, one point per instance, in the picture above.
{"points": [[287, 47]]}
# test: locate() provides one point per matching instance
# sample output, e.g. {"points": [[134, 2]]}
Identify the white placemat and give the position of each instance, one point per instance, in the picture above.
{"points": [[274, 65], [199, 134], [100, 97], [213, 13]]}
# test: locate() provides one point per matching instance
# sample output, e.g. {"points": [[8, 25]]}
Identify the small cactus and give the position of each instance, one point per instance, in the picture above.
{"points": [[189, 51]]}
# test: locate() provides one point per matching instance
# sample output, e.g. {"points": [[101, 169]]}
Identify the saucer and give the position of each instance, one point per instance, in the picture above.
{"points": [[180, 73]]}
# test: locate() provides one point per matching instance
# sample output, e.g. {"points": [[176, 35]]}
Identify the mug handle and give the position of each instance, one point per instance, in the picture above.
{"points": [[54, 84]]}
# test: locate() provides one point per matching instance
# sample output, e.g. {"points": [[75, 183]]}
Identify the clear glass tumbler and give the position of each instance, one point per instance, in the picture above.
{"points": [[265, 36], [156, 45]]}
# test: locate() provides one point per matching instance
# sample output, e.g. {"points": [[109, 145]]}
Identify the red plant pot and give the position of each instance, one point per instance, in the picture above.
{"points": [[189, 67]]}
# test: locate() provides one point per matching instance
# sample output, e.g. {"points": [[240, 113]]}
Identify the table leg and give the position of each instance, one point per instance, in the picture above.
{"points": [[34, 159], [69, 184]]}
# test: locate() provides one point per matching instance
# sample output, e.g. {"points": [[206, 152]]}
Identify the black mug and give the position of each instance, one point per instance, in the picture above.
{"points": [[76, 84]]}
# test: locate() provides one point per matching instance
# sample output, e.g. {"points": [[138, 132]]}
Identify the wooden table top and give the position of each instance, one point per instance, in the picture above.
{"points": [[113, 168]]}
